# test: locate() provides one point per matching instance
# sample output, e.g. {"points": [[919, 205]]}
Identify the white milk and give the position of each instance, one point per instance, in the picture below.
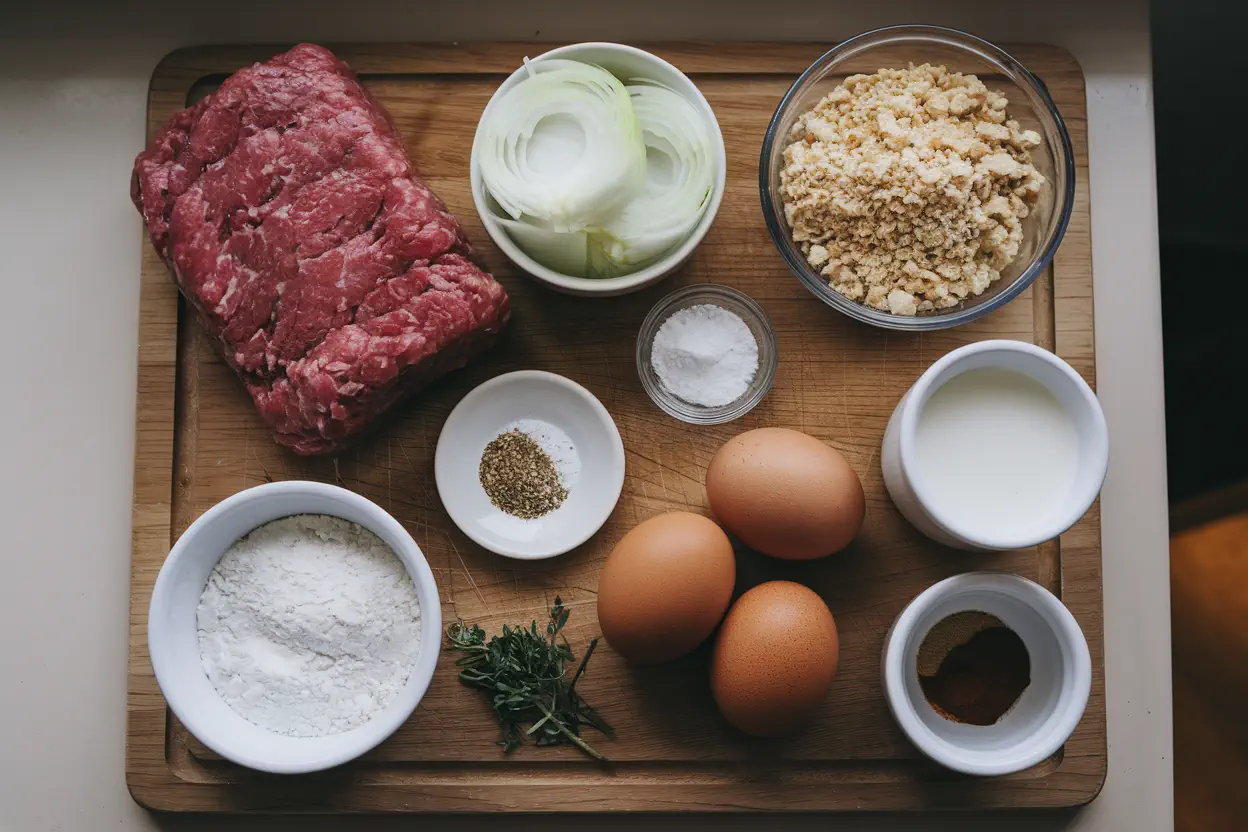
{"points": [[995, 452]]}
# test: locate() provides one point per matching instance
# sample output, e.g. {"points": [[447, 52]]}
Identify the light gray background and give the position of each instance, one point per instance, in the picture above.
{"points": [[73, 78]]}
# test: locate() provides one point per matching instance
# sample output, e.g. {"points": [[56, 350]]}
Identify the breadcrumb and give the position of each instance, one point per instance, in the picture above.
{"points": [[907, 188]]}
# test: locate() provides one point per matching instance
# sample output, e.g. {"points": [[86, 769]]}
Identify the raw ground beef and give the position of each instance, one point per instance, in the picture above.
{"points": [[334, 282]]}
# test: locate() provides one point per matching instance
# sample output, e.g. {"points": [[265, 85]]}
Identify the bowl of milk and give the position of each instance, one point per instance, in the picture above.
{"points": [[998, 445]]}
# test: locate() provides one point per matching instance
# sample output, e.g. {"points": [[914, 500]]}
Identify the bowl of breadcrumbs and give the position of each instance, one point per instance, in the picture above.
{"points": [[917, 177]]}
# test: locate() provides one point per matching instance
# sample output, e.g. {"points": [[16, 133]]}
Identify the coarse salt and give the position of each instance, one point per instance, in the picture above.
{"points": [[557, 445], [705, 355]]}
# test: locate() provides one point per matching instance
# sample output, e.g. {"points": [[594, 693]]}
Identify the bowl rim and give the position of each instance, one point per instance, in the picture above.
{"points": [[684, 411], [409, 554], [441, 458], [610, 285], [959, 314], [1069, 708]]}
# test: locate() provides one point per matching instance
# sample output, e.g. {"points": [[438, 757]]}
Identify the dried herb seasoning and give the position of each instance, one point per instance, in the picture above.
{"points": [[519, 476]]}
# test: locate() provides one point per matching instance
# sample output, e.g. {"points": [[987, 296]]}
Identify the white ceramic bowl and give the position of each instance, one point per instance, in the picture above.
{"points": [[173, 640], [1048, 710], [908, 489], [491, 409], [623, 62]]}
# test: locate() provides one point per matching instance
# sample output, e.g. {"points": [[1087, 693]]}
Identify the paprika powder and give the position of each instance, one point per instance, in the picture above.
{"points": [[973, 668]]}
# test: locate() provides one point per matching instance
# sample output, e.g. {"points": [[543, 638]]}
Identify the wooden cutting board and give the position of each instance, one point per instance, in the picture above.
{"points": [[199, 441]]}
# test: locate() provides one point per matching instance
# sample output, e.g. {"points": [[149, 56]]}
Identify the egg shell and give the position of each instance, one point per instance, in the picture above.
{"points": [[785, 494], [665, 587], [774, 659]]}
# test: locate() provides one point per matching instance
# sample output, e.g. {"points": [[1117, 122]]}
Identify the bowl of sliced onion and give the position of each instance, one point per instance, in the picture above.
{"points": [[597, 168]]}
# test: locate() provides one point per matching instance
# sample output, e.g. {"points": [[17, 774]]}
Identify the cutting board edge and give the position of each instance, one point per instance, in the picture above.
{"points": [[158, 378]]}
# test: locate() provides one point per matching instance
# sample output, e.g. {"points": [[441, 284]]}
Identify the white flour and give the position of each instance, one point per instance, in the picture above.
{"points": [[309, 626], [705, 355]]}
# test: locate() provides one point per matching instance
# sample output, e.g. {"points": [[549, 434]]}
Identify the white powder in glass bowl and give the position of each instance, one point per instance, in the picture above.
{"points": [[705, 355]]}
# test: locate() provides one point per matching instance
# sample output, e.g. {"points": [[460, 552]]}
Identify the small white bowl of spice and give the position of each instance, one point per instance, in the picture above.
{"points": [[707, 354], [294, 626], [529, 465], [987, 673]]}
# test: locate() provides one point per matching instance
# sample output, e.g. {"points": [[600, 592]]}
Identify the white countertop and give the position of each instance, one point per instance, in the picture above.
{"points": [[72, 98]]}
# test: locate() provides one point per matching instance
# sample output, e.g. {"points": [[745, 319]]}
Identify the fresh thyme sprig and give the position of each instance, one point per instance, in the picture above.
{"points": [[525, 674]]}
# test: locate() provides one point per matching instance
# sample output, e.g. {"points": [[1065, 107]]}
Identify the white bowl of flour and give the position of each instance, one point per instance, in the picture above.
{"points": [[294, 626]]}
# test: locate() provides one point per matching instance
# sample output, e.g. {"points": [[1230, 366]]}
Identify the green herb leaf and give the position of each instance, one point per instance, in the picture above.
{"points": [[525, 674]]}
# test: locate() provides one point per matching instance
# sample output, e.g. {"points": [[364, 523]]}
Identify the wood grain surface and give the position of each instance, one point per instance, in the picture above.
{"points": [[200, 441]]}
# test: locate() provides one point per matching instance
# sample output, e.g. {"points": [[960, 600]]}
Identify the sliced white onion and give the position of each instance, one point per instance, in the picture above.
{"points": [[567, 252], [680, 176], [562, 149]]}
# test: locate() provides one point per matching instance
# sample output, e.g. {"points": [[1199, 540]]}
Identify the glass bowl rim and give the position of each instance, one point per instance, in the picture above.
{"points": [[768, 355], [959, 314]]}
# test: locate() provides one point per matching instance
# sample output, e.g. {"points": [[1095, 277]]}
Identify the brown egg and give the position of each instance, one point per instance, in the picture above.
{"points": [[774, 659], [665, 587], [785, 494]]}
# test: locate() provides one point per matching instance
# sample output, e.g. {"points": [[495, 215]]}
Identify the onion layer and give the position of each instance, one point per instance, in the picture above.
{"points": [[591, 178]]}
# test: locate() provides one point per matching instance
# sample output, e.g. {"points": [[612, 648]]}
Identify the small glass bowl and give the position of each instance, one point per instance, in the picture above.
{"points": [[1030, 104], [736, 302]]}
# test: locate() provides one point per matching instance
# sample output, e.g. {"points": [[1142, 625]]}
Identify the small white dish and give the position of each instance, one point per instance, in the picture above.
{"points": [[623, 62], [913, 490], [173, 635], [1048, 710], [493, 408]]}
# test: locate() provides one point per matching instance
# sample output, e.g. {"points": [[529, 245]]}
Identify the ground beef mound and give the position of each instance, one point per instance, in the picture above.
{"points": [[333, 281]]}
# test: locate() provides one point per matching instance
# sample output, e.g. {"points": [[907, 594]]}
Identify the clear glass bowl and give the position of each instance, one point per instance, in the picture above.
{"points": [[1030, 104], [725, 298]]}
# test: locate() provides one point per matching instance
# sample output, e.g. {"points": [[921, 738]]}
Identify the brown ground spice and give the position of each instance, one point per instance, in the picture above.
{"points": [[973, 668]]}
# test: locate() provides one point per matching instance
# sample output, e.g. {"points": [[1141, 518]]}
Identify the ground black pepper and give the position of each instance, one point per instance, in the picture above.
{"points": [[519, 477], [972, 668]]}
